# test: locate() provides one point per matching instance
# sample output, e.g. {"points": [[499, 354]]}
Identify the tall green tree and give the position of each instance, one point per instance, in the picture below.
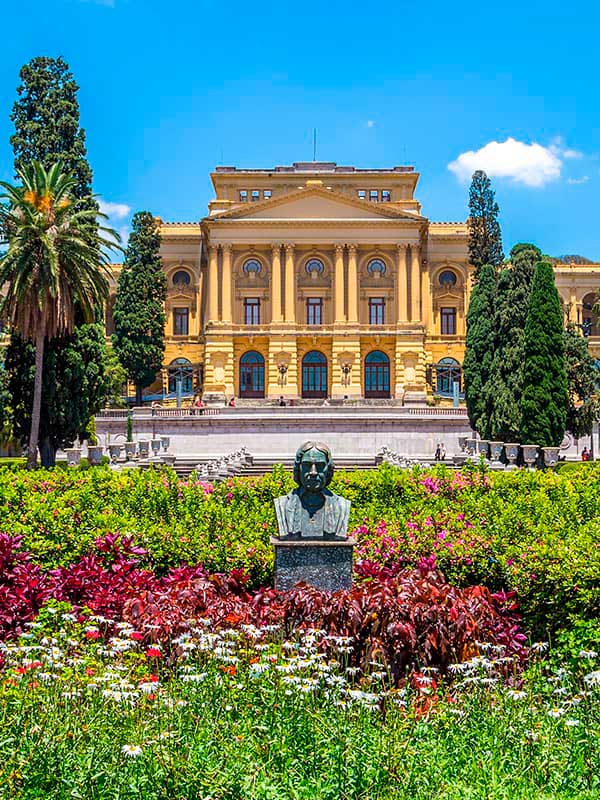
{"points": [[479, 349], [75, 386], [583, 378], [545, 396], [46, 120], [485, 236], [510, 313], [51, 266], [47, 129], [139, 310]]}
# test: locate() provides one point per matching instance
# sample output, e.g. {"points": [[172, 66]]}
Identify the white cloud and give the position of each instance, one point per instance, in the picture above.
{"points": [[528, 164], [370, 123], [577, 181], [114, 210]]}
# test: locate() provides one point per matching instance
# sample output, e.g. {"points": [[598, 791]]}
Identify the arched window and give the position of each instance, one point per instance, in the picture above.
{"points": [[181, 278], [448, 372], [376, 268], [377, 375], [589, 319], [252, 266], [314, 267], [447, 279], [252, 375], [181, 370], [314, 375]]}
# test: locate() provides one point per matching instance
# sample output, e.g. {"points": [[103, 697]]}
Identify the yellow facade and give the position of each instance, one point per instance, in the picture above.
{"points": [[319, 280]]}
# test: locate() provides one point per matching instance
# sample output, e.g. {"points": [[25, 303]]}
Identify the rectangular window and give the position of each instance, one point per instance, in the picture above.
{"points": [[181, 317], [314, 311], [385, 196], [376, 310], [267, 194], [255, 195], [362, 195], [448, 317], [252, 311], [243, 196], [373, 195]]}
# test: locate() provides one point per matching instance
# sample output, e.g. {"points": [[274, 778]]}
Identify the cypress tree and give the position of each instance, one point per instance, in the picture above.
{"points": [[47, 129], [139, 311], [506, 378], [480, 349], [485, 236], [582, 378], [545, 396]]}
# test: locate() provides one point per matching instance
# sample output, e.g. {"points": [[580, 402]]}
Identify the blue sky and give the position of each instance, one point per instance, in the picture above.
{"points": [[171, 89]]}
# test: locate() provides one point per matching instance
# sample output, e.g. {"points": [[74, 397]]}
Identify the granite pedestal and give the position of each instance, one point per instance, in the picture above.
{"points": [[325, 564]]}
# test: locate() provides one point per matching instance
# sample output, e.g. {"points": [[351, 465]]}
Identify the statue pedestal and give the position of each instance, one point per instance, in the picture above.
{"points": [[325, 564]]}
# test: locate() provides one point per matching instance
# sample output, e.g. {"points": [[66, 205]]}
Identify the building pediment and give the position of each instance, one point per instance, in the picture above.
{"points": [[315, 203]]}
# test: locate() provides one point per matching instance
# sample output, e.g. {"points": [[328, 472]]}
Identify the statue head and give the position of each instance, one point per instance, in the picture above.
{"points": [[313, 466]]}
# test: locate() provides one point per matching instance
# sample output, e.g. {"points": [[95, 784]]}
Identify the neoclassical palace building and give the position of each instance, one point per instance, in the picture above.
{"points": [[317, 280]]}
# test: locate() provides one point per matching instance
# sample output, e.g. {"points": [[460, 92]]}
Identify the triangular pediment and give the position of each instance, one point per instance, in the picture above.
{"points": [[315, 203]]}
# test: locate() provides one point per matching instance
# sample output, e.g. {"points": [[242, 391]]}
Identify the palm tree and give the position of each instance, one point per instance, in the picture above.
{"points": [[56, 259]]}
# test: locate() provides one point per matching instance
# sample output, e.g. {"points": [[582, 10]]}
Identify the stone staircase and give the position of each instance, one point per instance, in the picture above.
{"points": [[262, 465]]}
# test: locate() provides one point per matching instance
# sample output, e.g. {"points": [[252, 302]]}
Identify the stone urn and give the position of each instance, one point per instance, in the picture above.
{"points": [[165, 441], [496, 450], [130, 448], [73, 456], [512, 453], [155, 445], [530, 452], [144, 448], [114, 452], [462, 443], [471, 446], [483, 447], [168, 459], [550, 456], [94, 454]]}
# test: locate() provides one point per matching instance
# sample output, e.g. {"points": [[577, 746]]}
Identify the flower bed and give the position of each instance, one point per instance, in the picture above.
{"points": [[535, 533], [90, 708]]}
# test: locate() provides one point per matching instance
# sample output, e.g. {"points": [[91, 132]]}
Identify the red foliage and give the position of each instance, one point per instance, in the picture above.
{"points": [[408, 620]]}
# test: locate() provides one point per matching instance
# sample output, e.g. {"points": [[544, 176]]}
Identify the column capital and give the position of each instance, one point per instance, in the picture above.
{"points": [[289, 247], [402, 245], [212, 248], [275, 247], [227, 247], [352, 248], [339, 248]]}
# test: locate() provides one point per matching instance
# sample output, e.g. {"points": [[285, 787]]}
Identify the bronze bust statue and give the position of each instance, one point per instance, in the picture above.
{"points": [[311, 511]]}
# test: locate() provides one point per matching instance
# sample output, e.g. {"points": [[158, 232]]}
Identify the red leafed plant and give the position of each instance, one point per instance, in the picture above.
{"points": [[24, 588]]}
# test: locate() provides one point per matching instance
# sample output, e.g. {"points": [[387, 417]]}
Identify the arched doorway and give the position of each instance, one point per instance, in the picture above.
{"points": [[252, 375], [448, 372], [589, 318], [314, 375], [181, 370], [377, 375]]}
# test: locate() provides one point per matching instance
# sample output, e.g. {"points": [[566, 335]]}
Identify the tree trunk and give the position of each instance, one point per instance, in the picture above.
{"points": [[47, 453], [37, 397], [138, 394]]}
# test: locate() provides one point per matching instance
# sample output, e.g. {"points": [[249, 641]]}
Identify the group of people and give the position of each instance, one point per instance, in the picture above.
{"points": [[586, 455], [440, 452]]}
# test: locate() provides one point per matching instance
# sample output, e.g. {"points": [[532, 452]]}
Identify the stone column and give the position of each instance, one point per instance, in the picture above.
{"points": [[352, 284], [426, 296], [338, 285], [213, 284], [276, 283], [572, 306], [402, 283], [415, 284], [290, 293], [226, 284]]}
